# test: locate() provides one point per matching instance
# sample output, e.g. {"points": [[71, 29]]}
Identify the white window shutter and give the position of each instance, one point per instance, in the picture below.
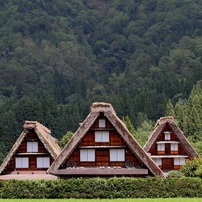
{"points": [[117, 154], [22, 162], [102, 123], [83, 154], [91, 155], [34, 146], [98, 136], [105, 136], [39, 163], [113, 155], [25, 163], [121, 155], [18, 162], [46, 162], [43, 162], [161, 147], [29, 146]]}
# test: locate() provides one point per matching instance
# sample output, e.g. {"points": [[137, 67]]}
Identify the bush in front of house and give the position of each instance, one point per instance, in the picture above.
{"points": [[191, 166], [102, 188], [175, 174]]}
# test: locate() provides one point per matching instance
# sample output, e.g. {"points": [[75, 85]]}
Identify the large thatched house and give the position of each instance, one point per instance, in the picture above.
{"points": [[103, 146], [168, 146]]}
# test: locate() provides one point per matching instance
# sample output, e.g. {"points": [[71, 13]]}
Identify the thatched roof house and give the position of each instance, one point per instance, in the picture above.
{"points": [[103, 146], [35, 149], [168, 146]]}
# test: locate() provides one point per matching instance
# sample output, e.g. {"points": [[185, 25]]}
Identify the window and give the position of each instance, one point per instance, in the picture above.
{"points": [[179, 161], [174, 146], [167, 135], [22, 162], [158, 161], [43, 162], [102, 123], [87, 155], [160, 147], [117, 154], [32, 147], [101, 136]]}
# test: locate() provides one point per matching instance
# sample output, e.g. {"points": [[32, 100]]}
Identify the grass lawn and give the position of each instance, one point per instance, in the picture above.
{"points": [[106, 200]]}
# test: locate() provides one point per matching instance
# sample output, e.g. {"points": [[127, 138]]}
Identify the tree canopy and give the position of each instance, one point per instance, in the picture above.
{"points": [[57, 57]]}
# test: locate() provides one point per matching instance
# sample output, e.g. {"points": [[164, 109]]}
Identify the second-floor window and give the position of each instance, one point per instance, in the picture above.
{"points": [[174, 146], [32, 147], [160, 147], [101, 136]]}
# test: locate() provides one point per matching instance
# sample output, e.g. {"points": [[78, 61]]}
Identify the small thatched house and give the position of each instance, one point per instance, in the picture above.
{"points": [[168, 146], [103, 146], [34, 150]]}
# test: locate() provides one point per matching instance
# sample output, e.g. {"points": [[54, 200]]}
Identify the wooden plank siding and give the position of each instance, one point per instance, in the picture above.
{"points": [[102, 149], [168, 146], [22, 152]]}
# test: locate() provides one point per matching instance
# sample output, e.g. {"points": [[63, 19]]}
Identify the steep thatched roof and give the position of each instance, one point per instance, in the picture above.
{"points": [[160, 124], [110, 114], [43, 133]]}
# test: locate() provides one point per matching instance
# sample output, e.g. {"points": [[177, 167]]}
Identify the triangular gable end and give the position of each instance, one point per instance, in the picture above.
{"points": [[103, 146], [168, 146], [35, 145]]}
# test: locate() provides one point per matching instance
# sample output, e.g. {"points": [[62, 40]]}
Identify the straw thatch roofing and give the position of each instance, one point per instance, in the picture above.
{"points": [[160, 124], [110, 114], [43, 133]]}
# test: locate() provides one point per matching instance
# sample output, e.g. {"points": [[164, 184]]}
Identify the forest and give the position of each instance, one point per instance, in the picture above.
{"points": [[59, 56]]}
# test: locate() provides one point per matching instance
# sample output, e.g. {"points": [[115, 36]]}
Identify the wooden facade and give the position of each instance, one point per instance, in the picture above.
{"points": [[168, 146], [103, 146], [103, 149], [35, 150]]}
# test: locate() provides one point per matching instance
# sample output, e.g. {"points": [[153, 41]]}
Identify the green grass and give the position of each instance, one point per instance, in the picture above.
{"points": [[106, 200]]}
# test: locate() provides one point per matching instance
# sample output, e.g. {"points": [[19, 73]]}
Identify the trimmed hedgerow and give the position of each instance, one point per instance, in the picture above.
{"points": [[102, 188]]}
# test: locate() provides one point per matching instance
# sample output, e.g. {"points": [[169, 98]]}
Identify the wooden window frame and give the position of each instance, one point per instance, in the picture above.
{"points": [[158, 161], [87, 155], [21, 162], [179, 161], [161, 147], [102, 123], [174, 147], [32, 147], [101, 136], [43, 162], [167, 135], [117, 155]]}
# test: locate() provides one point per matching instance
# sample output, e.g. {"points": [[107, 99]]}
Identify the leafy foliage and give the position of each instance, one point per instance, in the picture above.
{"points": [[65, 139], [92, 188], [175, 174], [57, 57], [191, 166]]}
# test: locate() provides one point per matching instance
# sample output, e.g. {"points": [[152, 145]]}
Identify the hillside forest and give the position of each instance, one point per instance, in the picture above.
{"points": [[58, 56]]}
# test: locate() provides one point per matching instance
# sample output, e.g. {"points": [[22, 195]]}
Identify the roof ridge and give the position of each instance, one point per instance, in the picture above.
{"points": [[35, 124], [102, 107]]}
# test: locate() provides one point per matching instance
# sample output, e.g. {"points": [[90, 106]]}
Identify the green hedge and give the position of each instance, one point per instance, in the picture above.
{"points": [[102, 188]]}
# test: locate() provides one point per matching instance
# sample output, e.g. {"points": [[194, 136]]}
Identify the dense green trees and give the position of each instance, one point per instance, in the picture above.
{"points": [[57, 57]]}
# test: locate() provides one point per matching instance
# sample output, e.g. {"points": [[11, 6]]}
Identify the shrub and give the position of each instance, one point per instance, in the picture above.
{"points": [[175, 174], [90, 188], [190, 166]]}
